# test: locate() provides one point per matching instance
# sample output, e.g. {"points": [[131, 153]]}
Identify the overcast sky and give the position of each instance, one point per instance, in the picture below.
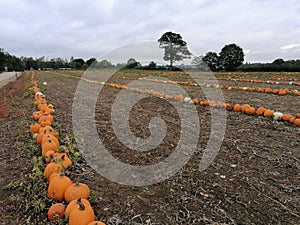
{"points": [[265, 29]]}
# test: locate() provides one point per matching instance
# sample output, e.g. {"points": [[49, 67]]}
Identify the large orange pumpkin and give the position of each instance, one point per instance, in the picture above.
{"points": [[82, 215], [74, 204], [75, 191], [57, 187], [297, 122]]}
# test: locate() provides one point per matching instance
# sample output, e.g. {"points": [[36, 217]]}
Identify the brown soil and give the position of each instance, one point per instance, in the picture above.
{"points": [[254, 179]]}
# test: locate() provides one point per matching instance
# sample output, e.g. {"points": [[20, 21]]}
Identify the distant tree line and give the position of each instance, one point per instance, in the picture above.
{"points": [[230, 58]]}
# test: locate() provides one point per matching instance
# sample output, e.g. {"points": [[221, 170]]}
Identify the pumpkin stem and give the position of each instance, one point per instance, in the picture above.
{"points": [[81, 205]]}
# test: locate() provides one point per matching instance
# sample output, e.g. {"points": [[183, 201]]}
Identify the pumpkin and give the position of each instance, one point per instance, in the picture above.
{"points": [[228, 107], [292, 119], [286, 117], [48, 145], [34, 128], [74, 204], [52, 168], [57, 187], [75, 191], [179, 98], [49, 136], [62, 158], [49, 156], [282, 92], [237, 108], [50, 106], [36, 115], [56, 212], [297, 122], [53, 175], [250, 110], [260, 111], [268, 112], [96, 222], [244, 107], [195, 101], [297, 115], [82, 215], [44, 120]]}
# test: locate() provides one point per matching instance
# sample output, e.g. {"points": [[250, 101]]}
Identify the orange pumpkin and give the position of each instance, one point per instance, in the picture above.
{"points": [[297, 115], [34, 128], [52, 168], [51, 137], [260, 111], [49, 156], [53, 175], [75, 191], [250, 110], [49, 145], [297, 122], [286, 117], [37, 115], [292, 119], [56, 212], [179, 98], [237, 108], [74, 204], [244, 107], [57, 187], [82, 215], [62, 158], [268, 112]]}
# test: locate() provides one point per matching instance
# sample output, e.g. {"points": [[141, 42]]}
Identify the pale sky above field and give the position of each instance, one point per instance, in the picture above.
{"points": [[265, 29]]}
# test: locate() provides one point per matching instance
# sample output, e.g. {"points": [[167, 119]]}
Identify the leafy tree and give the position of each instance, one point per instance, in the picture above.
{"points": [[278, 61], [132, 63], [175, 48], [152, 64], [104, 64], [90, 61], [212, 60], [231, 57], [77, 63]]}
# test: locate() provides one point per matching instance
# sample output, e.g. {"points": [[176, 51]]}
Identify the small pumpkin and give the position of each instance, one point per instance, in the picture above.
{"points": [[237, 108], [268, 112], [179, 98], [260, 111], [297, 115], [48, 145], [56, 212], [51, 137], [57, 187], [82, 215], [36, 115], [62, 158], [297, 121], [250, 110], [49, 156], [77, 190], [286, 117], [244, 107], [52, 168], [34, 128], [74, 204]]}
